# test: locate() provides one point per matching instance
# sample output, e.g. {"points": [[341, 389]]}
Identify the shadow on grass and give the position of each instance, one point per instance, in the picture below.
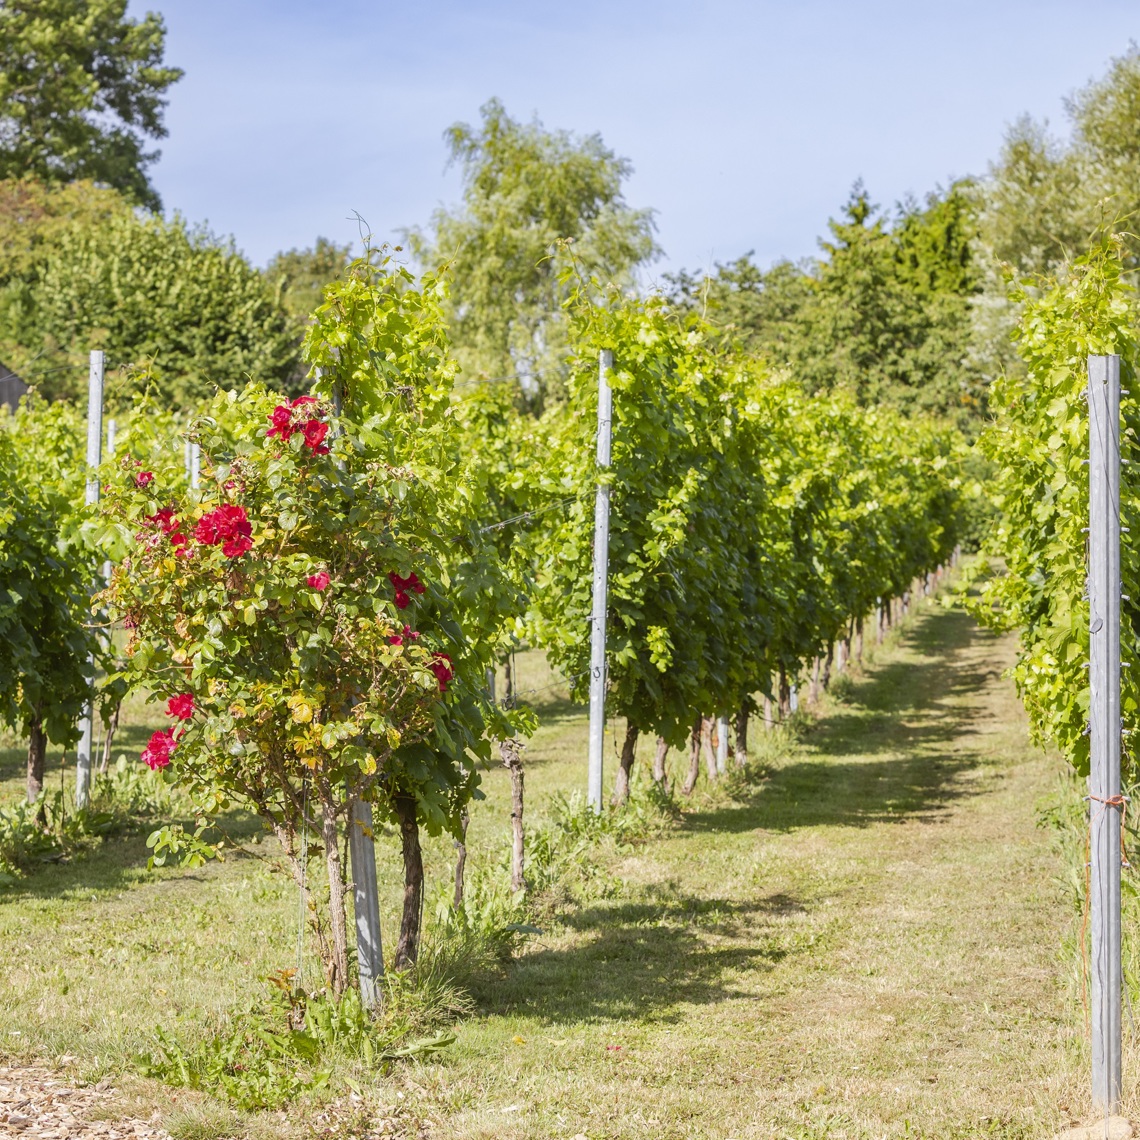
{"points": [[902, 716], [891, 751], [646, 961], [118, 861]]}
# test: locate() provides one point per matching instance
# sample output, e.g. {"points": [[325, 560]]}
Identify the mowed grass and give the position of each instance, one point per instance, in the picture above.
{"points": [[862, 941]]}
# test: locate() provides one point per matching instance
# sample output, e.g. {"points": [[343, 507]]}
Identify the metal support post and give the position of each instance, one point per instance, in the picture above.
{"points": [[1105, 802], [366, 902], [601, 570], [83, 762], [721, 745]]}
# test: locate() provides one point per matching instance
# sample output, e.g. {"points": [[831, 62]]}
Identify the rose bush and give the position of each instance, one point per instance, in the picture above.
{"points": [[320, 612]]}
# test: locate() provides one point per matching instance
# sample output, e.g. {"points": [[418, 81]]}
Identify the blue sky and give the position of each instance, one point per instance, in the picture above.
{"points": [[747, 123]]}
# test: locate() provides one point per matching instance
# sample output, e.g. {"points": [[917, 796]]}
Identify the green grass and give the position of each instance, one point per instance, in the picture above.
{"points": [[863, 939]]}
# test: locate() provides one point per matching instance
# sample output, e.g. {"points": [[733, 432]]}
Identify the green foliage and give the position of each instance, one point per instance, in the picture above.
{"points": [[45, 573], [49, 828], [1039, 445], [885, 314], [35, 216], [525, 190], [148, 292], [1046, 196], [81, 91], [750, 523], [335, 645], [486, 930], [302, 274]]}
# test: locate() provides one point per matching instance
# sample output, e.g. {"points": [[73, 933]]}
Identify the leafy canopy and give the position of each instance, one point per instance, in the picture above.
{"points": [[1039, 444], [46, 630], [525, 189], [884, 314], [87, 272], [81, 92]]}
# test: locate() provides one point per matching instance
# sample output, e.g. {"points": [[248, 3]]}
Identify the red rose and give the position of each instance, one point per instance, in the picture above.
{"points": [[158, 749], [315, 433], [144, 479], [282, 419], [402, 600], [181, 544], [319, 581], [411, 582], [441, 667], [237, 546], [395, 639], [181, 707], [304, 400], [229, 524], [164, 520], [412, 633]]}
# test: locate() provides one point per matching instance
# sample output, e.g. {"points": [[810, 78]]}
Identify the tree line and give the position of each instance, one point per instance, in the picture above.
{"points": [[905, 306]]}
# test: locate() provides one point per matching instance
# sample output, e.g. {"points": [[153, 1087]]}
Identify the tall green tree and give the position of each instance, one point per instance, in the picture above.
{"points": [[525, 190], [82, 90], [88, 272], [302, 274], [1047, 198], [885, 313], [890, 317]]}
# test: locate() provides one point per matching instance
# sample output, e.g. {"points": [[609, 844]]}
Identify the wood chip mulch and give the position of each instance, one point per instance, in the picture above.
{"points": [[40, 1104]]}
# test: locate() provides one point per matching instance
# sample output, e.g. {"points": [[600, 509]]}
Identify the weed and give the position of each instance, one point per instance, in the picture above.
{"points": [[486, 930], [272, 1054], [50, 829]]}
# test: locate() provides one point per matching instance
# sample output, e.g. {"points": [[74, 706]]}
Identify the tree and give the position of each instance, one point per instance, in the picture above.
{"points": [[762, 310], [525, 189], [81, 92], [891, 314], [885, 313], [1047, 199], [302, 274], [90, 274]]}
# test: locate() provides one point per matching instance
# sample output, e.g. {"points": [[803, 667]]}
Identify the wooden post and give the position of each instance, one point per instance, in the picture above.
{"points": [[1105, 802], [601, 570], [83, 760], [511, 752]]}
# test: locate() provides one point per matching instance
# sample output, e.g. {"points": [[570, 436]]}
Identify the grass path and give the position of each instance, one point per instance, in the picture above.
{"points": [[867, 947], [863, 944]]}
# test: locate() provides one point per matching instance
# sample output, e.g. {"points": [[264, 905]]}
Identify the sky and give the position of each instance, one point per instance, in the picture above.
{"points": [[747, 123]]}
